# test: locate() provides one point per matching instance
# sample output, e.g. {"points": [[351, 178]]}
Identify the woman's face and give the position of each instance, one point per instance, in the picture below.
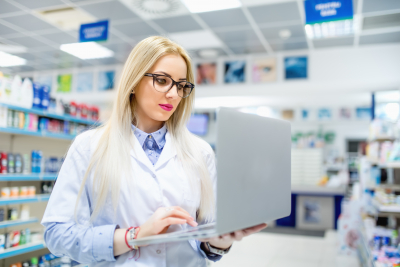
{"points": [[150, 102]]}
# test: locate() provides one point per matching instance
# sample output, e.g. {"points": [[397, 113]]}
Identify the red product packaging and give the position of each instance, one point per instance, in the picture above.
{"points": [[15, 236], [3, 162], [95, 113], [73, 108], [84, 111]]}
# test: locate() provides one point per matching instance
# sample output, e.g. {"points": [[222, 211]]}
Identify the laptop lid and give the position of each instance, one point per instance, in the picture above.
{"points": [[253, 168]]}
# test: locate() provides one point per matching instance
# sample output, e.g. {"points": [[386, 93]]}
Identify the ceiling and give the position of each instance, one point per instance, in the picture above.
{"points": [[252, 28]]}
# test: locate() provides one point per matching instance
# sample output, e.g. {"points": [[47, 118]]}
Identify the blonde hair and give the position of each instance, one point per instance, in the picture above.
{"points": [[111, 160]]}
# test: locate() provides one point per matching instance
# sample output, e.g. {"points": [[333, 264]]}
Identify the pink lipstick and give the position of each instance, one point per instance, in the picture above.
{"points": [[166, 107]]}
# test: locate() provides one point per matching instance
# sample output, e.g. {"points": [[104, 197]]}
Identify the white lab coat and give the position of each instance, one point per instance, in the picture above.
{"points": [[161, 185]]}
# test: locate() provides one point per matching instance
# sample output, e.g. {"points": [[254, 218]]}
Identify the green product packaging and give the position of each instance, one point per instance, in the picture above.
{"points": [[22, 240], [34, 262]]}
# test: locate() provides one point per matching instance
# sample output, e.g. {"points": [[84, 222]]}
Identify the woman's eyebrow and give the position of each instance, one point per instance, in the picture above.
{"points": [[166, 74]]}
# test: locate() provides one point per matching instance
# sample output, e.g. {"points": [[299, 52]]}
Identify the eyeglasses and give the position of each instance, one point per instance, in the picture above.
{"points": [[163, 84]]}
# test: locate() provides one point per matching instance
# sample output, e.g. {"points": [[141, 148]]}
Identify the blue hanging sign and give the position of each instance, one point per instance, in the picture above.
{"points": [[94, 32], [318, 11]]}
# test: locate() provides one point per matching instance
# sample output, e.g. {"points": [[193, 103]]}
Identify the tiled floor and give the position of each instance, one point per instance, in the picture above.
{"points": [[281, 250]]}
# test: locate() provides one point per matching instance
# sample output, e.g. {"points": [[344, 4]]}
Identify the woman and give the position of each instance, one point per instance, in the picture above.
{"points": [[141, 169]]}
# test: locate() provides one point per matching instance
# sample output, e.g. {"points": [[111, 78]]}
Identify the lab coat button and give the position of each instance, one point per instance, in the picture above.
{"points": [[158, 251], [154, 176]]}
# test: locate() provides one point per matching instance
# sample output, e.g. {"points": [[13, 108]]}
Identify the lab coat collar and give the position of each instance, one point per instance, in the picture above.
{"points": [[167, 153]]}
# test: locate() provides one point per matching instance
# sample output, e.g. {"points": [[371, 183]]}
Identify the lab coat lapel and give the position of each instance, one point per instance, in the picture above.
{"points": [[138, 153], [167, 153]]}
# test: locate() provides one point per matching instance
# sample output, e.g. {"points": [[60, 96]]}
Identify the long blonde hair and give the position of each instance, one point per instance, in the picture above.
{"points": [[111, 160]]}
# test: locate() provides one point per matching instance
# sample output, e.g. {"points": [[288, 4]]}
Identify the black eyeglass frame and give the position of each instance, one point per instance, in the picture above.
{"points": [[155, 75]]}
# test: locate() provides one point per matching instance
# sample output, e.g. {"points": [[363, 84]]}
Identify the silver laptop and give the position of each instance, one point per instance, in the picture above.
{"points": [[253, 176]]}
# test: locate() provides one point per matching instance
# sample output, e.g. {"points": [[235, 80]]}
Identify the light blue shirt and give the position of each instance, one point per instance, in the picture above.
{"points": [[95, 244], [153, 143]]}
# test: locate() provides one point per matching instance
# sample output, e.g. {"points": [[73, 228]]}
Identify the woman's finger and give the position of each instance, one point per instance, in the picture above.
{"points": [[254, 229], [181, 209], [177, 213], [171, 220], [227, 237], [238, 235]]}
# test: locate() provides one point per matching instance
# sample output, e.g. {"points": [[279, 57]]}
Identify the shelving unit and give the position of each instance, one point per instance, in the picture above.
{"points": [[364, 251], [16, 140], [27, 177], [38, 134], [10, 252], [22, 200], [43, 113], [5, 224]]}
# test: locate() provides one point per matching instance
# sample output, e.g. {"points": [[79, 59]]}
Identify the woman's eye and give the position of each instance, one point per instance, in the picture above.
{"points": [[161, 81]]}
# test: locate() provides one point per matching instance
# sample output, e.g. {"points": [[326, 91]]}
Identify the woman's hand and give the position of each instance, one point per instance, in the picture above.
{"points": [[159, 222], [225, 241]]}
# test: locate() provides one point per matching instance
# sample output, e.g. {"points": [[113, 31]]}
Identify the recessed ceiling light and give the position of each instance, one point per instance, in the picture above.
{"points": [[8, 60], [196, 39], [197, 6], [208, 53], [87, 50], [285, 34]]}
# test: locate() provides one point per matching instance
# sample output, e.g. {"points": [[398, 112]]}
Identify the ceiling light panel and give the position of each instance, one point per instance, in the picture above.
{"points": [[87, 50], [196, 39], [67, 18], [8, 60], [196, 6]]}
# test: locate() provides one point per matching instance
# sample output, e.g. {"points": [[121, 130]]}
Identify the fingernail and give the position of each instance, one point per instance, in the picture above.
{"points": [[195, 223], [191, 218]]}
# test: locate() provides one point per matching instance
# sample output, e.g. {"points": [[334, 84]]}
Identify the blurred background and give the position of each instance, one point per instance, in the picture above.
{"points": [[330, 67]]}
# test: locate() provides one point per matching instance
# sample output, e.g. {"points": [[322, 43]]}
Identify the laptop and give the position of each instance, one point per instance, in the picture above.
{"points": [[253, 176]]}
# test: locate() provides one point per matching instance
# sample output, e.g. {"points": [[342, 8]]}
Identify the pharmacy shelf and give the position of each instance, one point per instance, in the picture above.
{"points": [[393, 187], [393, 165], [20, 200], [50, 115], [389, 208], [27, 177], [382, 138], [38, 134], [5, 224], [364, 250], [22, 249]]}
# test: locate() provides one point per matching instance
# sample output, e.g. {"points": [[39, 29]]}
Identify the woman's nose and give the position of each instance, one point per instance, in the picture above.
{"points": [[173, 93]]}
